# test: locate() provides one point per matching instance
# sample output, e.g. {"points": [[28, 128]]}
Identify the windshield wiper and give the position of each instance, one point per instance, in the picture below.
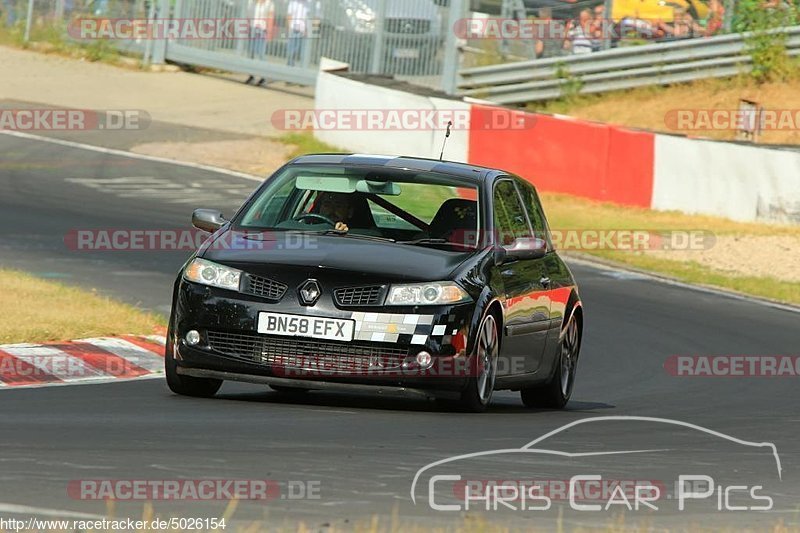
{"points": [[342, 233], [429, 240]]}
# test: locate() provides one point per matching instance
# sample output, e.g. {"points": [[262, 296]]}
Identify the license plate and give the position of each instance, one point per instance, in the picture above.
{"points": [[406, 53], [315, 327]]}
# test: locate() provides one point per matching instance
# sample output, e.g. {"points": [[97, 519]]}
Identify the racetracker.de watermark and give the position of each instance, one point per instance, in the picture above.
{"points": [[400, 119], [73, 119], [171, 240], [559, 30], [192, 489], [183, 240], [733, 366], [191, 29], [732, 119]]}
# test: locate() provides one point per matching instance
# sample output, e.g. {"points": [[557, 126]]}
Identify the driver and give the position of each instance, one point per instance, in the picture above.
{"points": [[338, 207]]}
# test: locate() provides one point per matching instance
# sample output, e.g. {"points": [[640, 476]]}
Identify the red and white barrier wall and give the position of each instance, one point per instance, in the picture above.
{"points": [[588, 159]]}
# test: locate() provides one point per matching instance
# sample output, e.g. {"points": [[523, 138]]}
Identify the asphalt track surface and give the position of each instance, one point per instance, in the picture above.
{"points": [[361, 453]]}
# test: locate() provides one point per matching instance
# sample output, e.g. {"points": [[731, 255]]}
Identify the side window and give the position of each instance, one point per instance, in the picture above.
{"points": [[510, 222], [534, 210]]}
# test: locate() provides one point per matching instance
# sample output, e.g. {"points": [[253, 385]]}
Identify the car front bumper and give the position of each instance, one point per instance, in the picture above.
{"points": [[381, 357]]}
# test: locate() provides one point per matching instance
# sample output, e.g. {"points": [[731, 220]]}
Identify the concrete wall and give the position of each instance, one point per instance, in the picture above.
{"points": [[337, 92], [739, 182], [588, 159]]}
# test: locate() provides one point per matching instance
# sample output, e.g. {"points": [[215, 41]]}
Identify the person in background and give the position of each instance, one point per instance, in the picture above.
{"points": [[683, 27], [579, 39], [262, 13], [297, 14], [597, 29], [716, 16], [11, 16], [550, 34]]}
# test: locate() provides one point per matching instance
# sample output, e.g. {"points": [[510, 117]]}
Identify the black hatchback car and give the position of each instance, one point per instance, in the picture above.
{"points": [[373, 273]]}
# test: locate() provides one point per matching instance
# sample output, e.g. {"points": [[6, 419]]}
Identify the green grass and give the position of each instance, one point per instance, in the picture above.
{"points": [[51, 38], [305, 143], [37, 310], [570, 212], [567, 212], [693, 273]]}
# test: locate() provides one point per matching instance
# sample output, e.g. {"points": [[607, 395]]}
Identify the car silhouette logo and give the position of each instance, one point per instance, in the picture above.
{"points": [[310, 292]]}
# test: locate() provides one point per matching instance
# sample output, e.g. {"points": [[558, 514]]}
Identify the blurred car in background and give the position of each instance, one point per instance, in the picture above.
{"points": [[413, 34]]}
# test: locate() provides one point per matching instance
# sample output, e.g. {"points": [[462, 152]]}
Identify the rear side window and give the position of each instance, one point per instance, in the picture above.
{"points": [[510, 221]]}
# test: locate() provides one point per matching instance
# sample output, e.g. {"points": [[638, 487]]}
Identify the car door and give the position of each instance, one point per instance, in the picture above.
{"points": [[527, 310]]}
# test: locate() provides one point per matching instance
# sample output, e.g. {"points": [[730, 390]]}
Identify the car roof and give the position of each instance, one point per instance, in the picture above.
{"points": [[472, 174]]}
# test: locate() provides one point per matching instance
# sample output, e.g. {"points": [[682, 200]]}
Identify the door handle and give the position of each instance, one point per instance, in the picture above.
{"points": [[545, 281]]}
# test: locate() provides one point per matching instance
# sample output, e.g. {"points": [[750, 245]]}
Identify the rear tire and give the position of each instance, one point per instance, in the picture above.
{"points": [[556, 393], [478, 394], [186, 385]]}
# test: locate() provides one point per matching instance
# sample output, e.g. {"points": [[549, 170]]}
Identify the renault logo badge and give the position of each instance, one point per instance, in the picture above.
{"points": [[309, 292]]}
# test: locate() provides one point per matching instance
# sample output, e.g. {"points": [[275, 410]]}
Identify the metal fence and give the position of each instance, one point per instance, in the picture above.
{"points": [[279, 40], [611, 70], [420, 41]]}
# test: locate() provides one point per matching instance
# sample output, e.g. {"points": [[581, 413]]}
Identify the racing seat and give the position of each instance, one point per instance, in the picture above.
{"points": [[456, 221], [362, 214]]}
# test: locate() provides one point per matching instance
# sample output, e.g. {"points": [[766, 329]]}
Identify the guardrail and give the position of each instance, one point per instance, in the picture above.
{"points": [[611, 70]]}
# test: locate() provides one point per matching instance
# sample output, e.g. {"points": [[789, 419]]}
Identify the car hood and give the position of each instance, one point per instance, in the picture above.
{"points": [[388, 260]]}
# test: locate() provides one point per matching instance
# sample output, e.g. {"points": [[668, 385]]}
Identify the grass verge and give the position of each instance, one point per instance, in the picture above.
{"points": [[567, 213], [649, 107], [37, 310], [50, 38], [304, 142]]}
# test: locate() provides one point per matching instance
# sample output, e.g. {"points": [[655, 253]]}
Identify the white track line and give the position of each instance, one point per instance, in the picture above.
{"points": [[651, 276], [44, 511], [123, 153], [585, 261]]}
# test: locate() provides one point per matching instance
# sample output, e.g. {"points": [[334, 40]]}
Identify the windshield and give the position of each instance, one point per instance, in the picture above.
{"points": [[420, 208]]}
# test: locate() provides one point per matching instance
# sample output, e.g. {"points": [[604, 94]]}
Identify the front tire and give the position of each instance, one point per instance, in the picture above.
{"points": [[478, 394], [186, 385], [556, 393]]}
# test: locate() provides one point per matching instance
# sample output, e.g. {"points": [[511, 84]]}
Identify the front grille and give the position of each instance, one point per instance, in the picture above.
{"points": [[264, 287], [308, 354], [408, 26], [236, 344], [370, 295]]}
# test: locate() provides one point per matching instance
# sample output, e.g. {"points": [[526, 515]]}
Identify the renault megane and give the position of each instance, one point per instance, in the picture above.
{"points": [[373, 273]]}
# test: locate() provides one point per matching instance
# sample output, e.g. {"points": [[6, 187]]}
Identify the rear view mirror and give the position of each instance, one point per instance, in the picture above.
{"points": [[526, 248], [209, 220]]}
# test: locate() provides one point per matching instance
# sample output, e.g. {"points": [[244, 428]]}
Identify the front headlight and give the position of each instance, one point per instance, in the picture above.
{"points": [[212, 274], [435, 293]]}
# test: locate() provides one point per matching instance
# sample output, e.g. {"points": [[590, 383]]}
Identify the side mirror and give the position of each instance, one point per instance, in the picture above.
{"points": [[209, 220], [526, 248]]}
